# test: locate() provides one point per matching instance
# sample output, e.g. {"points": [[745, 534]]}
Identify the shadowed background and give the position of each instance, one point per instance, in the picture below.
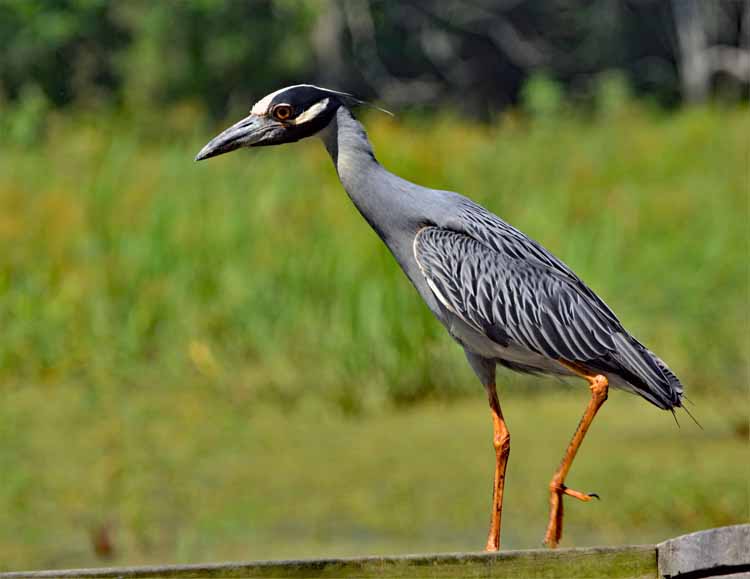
{"points": [[223, 361]]}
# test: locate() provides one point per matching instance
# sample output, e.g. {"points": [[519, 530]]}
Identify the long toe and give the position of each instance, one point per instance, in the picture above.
{"points": [[585, 497]]}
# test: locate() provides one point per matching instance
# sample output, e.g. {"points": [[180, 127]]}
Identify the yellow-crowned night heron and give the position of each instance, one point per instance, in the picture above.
{"points": [[501, 295]]}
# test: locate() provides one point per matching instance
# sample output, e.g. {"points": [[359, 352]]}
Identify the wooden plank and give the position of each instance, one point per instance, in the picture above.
{"points": [[633, 562], [710, 553]]}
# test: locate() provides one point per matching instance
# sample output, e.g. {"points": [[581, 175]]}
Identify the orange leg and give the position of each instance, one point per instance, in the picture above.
{"points": [[501, 442], [599, 386]]}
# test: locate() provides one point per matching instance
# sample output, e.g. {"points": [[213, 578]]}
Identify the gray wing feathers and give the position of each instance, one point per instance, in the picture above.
{"points": [[664, 388], [490, 230], [538, 306], [512, 300]]}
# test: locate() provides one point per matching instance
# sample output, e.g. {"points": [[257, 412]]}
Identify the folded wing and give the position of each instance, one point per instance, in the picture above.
{"points": [[527, 303]]}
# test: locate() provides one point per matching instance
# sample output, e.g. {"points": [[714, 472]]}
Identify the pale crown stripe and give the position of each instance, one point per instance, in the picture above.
{"points": [[261, 107]]}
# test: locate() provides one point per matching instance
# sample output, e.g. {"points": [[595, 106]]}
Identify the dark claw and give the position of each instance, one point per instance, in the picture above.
{"points": [[595, 496]]}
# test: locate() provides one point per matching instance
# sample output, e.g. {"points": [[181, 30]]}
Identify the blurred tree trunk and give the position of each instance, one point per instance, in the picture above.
{"points": [[699, 60], [326, 42]]}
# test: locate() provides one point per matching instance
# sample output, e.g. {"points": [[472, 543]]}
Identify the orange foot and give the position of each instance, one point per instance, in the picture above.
{"points": [[554, 527]]}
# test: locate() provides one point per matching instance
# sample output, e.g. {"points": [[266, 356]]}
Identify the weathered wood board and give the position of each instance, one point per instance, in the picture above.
{"points": [[717, 552]]}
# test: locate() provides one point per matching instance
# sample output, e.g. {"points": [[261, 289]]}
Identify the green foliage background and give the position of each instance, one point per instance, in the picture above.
{"points": [[143, 53], [475, 56]]}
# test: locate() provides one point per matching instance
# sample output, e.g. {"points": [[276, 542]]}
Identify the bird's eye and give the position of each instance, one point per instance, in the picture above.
{"points": [[282, 112]]}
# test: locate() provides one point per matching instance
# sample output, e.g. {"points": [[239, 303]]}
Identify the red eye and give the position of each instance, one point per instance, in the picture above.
{"points": [[282, 112]]}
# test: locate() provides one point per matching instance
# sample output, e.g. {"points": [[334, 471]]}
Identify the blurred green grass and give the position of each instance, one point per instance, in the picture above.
{"points": [[183, 474], [188, 348], [254, 272]]}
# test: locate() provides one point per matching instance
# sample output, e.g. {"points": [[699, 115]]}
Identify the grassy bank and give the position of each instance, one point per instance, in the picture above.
{"points": [[189, 475]]}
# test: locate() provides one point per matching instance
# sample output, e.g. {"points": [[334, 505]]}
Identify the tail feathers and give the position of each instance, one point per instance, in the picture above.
{"points": [[649, 375]]}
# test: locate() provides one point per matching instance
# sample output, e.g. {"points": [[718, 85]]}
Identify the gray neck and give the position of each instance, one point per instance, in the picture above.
{"points": [[395, 208], [386, 201], [347, 143]]}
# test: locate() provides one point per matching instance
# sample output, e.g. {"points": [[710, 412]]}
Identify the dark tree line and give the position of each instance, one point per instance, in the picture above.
{"points": [[474, 54]]}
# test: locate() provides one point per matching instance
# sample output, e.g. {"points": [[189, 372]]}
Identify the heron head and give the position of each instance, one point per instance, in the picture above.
{"points": [[284, 116]]}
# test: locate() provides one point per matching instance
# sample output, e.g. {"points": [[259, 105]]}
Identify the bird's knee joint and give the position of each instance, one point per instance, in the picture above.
{"points": [[501, 442], [599, 386], [556, 486]]}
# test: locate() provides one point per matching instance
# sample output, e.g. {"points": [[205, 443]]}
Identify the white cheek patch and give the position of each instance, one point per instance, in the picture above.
{"points": [[311, 113]]}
